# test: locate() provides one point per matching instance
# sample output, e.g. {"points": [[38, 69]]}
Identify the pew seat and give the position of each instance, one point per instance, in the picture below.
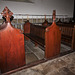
{"points": [[37, 39]]}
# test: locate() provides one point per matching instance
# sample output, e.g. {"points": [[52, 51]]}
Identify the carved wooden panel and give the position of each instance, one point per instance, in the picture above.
{"points": [[52, 39], [12, 50]]}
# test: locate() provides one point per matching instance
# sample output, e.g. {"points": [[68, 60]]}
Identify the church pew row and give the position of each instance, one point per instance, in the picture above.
{"points": [[48, 37], [67, 34], [12, 50]]}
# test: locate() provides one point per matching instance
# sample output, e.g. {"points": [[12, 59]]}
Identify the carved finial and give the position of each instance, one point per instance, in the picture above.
{"points": [[27, 17], [45, 17], [54, 15], [7, 14]]}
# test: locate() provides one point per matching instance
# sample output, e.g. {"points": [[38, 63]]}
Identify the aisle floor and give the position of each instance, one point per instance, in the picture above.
{"points": [[35, 53], [64, 65]]}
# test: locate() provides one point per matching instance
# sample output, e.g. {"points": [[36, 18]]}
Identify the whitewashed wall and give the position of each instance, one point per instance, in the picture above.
{"points": [[40, 7]]}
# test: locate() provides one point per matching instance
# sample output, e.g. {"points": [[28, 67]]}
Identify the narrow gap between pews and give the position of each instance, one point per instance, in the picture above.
{"points": [[34, 53]]}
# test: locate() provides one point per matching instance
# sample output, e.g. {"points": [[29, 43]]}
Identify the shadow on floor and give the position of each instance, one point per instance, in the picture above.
{"points": [[35, 53]]}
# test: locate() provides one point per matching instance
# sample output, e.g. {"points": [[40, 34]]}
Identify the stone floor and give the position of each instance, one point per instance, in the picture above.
{"points": [[33, 53], [64, 65], [36, 53]]}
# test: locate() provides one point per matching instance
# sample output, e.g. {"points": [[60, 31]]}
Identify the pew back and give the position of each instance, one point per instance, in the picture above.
{"points": [[67, 33], [37, 30], [47, 36]]}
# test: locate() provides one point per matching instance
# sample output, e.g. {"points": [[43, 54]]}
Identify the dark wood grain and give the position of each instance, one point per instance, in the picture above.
{"points": [[47, 36], [12, 50], [52, 40], [73, 39], [67, 34]]}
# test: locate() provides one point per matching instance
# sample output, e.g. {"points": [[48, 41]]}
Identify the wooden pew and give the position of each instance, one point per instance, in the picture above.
{"points": [[12, 51], [45, 23], [67, 34], [47, 36]]}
